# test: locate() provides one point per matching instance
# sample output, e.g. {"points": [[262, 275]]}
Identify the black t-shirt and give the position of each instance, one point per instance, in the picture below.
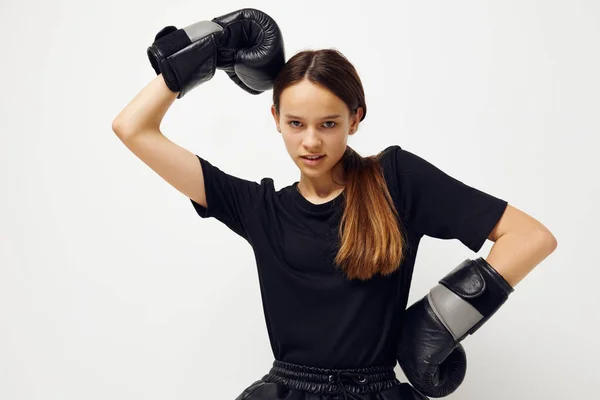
{"points": [[314, 314]]}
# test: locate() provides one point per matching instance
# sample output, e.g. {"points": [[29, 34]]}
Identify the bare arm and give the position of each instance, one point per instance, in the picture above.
{"points": [[138, 127], [521, 243]]}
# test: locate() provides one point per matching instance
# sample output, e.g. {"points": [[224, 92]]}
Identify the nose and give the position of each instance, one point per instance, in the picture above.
{"points": [[311, 139]]}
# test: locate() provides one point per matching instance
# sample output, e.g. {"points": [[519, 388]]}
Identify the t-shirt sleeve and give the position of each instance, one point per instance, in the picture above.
{"points": [[440, 206], [230, 199]]}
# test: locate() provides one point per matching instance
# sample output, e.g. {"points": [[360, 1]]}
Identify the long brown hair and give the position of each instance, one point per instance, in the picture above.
{"points": [[371, 234]]}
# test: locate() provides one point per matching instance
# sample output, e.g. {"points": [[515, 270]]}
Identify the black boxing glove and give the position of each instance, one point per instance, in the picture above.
{"points": [[186, 57], [253, 52], [247, 44], [434, 379], [429, 352]]}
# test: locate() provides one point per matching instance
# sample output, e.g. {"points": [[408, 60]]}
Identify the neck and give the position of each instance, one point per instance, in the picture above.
{"points": [[324, 186]]}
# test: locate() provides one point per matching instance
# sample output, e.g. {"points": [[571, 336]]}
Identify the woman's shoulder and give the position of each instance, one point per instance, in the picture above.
{"points": [[389, 152], [389, 156]]}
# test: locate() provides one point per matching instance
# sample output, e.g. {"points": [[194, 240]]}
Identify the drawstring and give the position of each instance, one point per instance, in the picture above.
{"points": [[337, 378], [311, 379]]}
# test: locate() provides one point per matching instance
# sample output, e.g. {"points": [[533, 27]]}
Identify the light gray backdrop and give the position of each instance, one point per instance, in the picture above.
{"points": [[111, 287]]}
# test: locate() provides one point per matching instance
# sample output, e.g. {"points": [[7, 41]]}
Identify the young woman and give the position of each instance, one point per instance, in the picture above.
{"points": [[335, 250]]}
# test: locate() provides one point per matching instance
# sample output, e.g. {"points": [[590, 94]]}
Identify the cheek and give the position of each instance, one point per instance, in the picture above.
{"points": [[292, 139]]}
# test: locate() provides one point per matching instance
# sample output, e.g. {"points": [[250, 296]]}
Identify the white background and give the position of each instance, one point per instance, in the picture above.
{"points": [[111, 287]]}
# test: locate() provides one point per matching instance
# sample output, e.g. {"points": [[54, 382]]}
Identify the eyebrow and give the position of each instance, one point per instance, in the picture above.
{"points": [[326, 117]]}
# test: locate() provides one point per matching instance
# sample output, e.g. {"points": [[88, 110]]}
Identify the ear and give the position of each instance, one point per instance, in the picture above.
{"points": [[356, 120], [275, 117]]}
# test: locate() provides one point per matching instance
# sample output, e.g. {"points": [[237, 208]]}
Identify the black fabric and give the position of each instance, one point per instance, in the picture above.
{"points": [[292, 381], [314, 315]]}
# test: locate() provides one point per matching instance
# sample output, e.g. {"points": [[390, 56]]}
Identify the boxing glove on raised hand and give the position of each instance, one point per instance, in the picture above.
{"points": [[253, 51], [247, 44], [429, 352], [186, 57]]}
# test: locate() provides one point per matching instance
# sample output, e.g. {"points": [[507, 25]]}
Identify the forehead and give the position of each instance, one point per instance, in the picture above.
{"points": [[306, 99]]}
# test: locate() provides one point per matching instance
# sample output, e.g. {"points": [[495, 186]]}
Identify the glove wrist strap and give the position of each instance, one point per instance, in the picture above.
{"points": [[468, 296]]}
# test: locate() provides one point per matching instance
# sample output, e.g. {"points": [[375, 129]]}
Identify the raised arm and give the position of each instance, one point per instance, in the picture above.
{"points": [[138, 127]]}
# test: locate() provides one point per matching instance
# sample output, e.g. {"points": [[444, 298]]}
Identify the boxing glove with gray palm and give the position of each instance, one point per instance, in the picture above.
{"points": [[429, 350], [247, 44]]}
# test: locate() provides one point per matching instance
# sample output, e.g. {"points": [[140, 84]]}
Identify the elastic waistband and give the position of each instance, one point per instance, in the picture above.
{"points": [[332, 381]]}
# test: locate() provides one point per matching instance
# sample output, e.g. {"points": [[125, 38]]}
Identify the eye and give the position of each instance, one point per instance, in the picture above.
{"points": [[333, 124]]}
